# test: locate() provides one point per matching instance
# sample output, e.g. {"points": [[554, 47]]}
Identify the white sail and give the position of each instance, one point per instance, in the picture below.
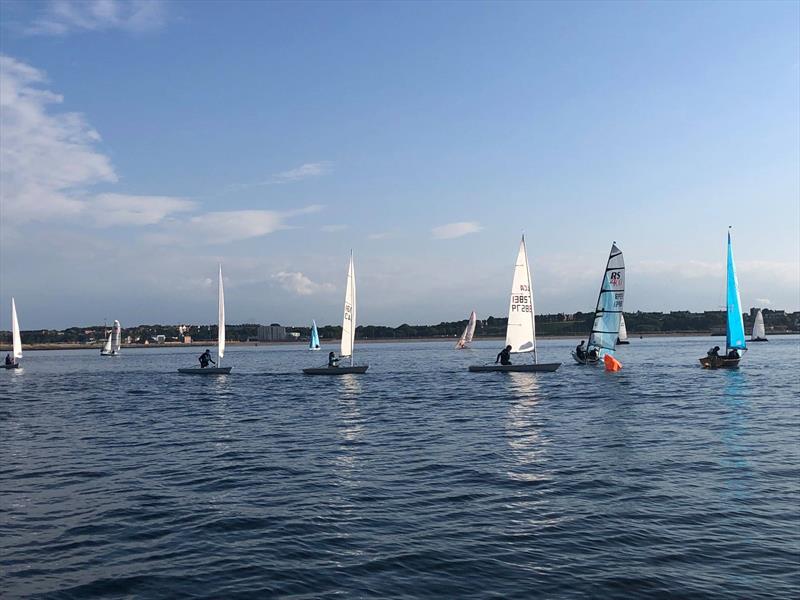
{"points": [[521, 331], [349, 318], [469, 331], [623, 331], [759, 331], [116, 338], [221, 320], [16, 339], [107, 346]]}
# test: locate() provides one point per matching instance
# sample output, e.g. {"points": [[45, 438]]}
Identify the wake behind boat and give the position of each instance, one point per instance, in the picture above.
{"points": [[735, 342], [216, 369], [521, 327], [12, 361], [607, 314], [348, 333]]}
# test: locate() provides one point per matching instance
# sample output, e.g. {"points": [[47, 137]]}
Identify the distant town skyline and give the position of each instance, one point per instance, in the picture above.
{"points": [[142, 143]]}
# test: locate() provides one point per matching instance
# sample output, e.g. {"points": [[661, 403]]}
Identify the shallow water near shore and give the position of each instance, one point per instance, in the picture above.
{"points": [[120, 477]]}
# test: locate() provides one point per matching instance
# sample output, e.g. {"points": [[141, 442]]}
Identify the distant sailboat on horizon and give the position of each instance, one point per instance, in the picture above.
{"points": [[622, 337], [759, 333], [113, 342], [216, 369], [734, 323], [348, 331], [16, 339], [469, 331], [314, 343], [608, 312], [521, 327]]}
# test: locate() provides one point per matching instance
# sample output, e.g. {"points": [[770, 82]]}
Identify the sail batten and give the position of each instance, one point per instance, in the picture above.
{"points": [[521, 328], [610, 300]]}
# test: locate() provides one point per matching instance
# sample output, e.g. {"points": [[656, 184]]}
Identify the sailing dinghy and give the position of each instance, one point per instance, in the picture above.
{"points": [[216, 369], [759, 332], [521, 328], [734, 324], [466, 337], [113, 341], [16, 340], [348, 331], [608, 312], [622, 337], [314, 343]]}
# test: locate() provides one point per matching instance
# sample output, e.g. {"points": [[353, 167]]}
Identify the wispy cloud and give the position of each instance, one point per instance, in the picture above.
{"points": [[455, 230], [62, 17], [304, 171], [381, 235], [123, 209], [764, 301], [231, 226], [299, 284], [333, 228]]}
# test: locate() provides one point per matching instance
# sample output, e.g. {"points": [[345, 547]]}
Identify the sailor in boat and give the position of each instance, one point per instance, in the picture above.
{"points": [[9, 360], [733, 354], [333, 361], [593, 355], [580, 351], [205, 358], [504, 358], [713, 352]]}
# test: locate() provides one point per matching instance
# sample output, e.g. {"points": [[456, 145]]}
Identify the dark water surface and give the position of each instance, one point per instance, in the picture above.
{"points": [[122, 478]]}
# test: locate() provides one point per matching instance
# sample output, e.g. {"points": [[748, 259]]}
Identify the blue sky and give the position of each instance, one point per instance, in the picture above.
{"points": [[143, 142]]}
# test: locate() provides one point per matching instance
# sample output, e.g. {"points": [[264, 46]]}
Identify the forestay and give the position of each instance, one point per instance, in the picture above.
{"points": [[607, 315], [735, 326], [349, 318], [520, 332]]}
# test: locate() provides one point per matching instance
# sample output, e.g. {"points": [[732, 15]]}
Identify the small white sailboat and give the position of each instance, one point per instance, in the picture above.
{"points": [[622, 337], [735, 343], [469, 331], [608, 312], [217, 369], [314, 343], [521, 328], [348, 332], [16, 339], [759, 331], [113, 341]]}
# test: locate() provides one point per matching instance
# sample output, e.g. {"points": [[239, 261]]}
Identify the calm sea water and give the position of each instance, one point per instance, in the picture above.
{"points": [[122, 478]]}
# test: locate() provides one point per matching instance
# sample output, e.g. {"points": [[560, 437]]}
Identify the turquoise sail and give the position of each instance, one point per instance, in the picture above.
{"points": [[735, 327], [608, 313], [314, 344]]}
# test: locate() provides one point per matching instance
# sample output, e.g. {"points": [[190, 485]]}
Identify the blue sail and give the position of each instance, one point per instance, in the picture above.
{"points": [[735, 327], [608, 312], [314, 344]]}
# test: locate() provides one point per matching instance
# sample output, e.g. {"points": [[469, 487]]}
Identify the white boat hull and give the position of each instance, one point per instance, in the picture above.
{"points": [[206, 371]]}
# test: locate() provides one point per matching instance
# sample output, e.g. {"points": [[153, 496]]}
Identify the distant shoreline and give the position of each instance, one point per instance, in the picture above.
{"points": [[331, 343]]}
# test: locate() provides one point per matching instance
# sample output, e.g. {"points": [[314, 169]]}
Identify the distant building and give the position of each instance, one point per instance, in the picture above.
{"points": [[295, 335], [187, 339], [271, 333]]}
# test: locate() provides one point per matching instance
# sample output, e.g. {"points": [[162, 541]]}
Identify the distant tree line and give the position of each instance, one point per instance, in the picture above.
{"points": [[577, 324]]}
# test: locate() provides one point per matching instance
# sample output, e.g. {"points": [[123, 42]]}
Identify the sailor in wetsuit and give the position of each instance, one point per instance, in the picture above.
{"points": [[504, 358], [205, 358], [332, 360], [580, 351]]}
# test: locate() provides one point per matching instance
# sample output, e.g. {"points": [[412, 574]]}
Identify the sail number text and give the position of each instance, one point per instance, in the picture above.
{"points": [[521, 303], [348, 312]]}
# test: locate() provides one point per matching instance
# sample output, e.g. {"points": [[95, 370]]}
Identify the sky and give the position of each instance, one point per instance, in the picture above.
{"points": [[142, 143]]}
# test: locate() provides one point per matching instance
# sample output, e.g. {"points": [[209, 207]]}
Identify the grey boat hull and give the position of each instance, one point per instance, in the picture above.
{"points": [[206, 371], [719, 362], [538, 368], [14, 366], [335, 370], [584, 361]]}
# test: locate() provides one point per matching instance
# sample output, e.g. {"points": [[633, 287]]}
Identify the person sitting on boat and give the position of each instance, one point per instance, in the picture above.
{"points": [[580, 351], [333, 361], [9, 360], [733, 353], [713, 351], [205, 358], [593, 355], [504, 357]]}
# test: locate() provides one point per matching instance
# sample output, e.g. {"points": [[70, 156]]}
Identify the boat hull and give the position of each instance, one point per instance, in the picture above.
{"points": [[622, 342], [538, 368], [14, 366], [584, 361], [759, 340], [336, 370], [718, 362], [206, 371]]}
